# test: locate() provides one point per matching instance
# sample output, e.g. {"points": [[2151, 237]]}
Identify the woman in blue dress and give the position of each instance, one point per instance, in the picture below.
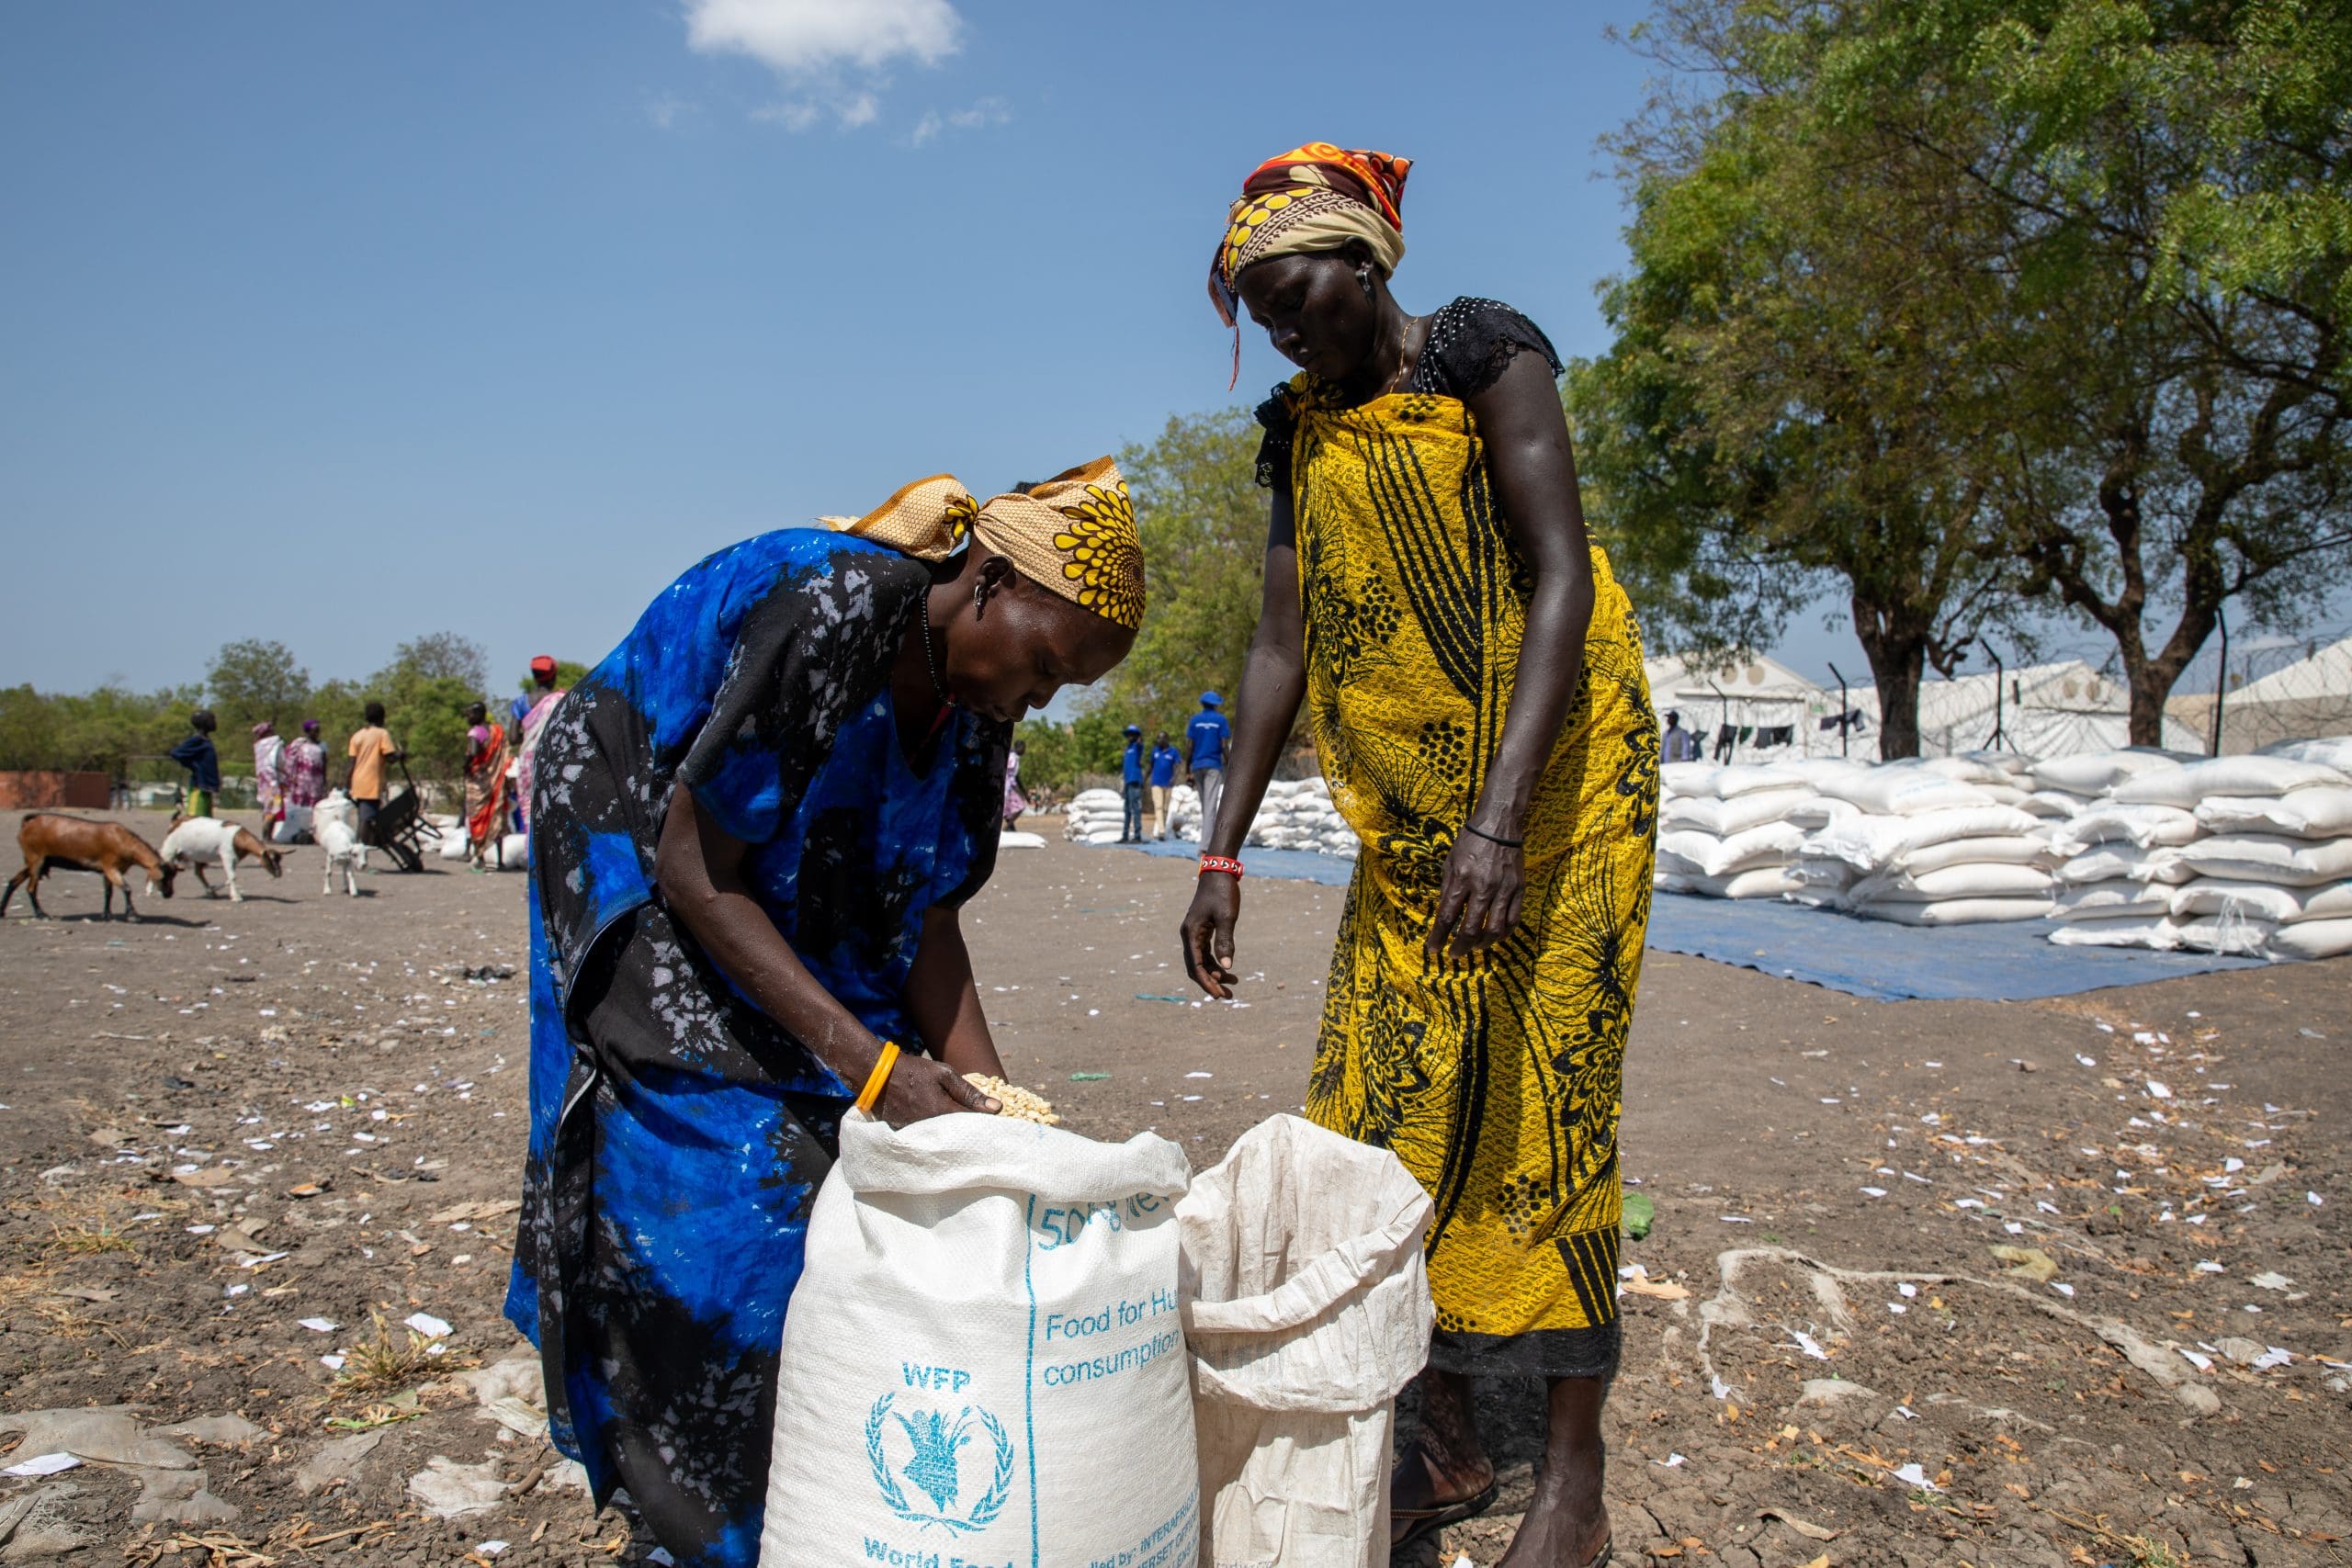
{"points": [[752, 829]]}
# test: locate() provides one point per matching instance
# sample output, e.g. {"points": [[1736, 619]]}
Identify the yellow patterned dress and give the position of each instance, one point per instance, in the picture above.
{"points": [[1495, 1080]]}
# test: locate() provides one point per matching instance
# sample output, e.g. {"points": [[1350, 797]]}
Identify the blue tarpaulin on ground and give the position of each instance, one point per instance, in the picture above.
{"points": [[2010, 960]]}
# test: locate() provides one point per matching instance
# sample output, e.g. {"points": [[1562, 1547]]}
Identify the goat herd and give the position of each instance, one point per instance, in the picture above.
{"points": [[52, 841]]}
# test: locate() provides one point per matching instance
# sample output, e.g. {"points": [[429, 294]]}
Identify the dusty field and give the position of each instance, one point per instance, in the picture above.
{"points": [[231, 1118]]}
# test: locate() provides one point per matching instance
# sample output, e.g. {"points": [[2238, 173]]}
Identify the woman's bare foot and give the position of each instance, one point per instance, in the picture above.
{"points": [[1566, 1524], [1557, 1533]]}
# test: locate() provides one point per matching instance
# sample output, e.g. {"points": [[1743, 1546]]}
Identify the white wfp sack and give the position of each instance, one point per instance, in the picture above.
{"points": [[2186, 786], [2269, 857], [2146, 827], [2137, 930], [1307, 1310], [2116, 900], [2333, 750], [2321, 813], [1903, 789], [1958, 911], [1705, 814], [2095, 772], [2312, 939], [983, 1364], [1687, 852], [1764, 882]]}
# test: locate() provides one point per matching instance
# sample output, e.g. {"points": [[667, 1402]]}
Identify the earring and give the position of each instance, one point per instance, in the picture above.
{"points": [[1363, 280]]}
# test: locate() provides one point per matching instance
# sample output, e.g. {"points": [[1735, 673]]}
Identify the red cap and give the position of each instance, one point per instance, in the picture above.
{"points": [[543, 665]]}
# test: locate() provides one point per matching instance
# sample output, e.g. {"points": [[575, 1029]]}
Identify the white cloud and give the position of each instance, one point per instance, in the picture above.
{"points": [[979, 117], [664, 111], [806, 37], [830, 53], [797, 115]]}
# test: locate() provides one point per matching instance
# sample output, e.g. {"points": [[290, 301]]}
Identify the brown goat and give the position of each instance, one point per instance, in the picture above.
{"points": [[55, 842]]}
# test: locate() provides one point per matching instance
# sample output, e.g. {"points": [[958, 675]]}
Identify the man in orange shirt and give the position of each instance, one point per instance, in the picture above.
{"points": [[371, 749]]}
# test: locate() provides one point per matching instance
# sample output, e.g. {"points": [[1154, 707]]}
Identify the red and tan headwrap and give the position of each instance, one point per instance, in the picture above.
{"points": [[1074, 534], [1316, 198]]}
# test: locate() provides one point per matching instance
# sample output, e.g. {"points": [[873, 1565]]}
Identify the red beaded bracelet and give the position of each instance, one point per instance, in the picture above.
{"points": [[1225, 864]]}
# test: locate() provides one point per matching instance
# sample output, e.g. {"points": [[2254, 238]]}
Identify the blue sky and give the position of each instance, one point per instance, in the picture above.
{"points": [[343, 323]]}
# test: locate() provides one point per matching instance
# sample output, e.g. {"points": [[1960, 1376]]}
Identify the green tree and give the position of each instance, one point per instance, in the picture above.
{"points": [[1796, 391], [1073, 755], [1977, 306], [1202, 521], [28, 729], [444, 656], [254, 679], [2175, 185]]}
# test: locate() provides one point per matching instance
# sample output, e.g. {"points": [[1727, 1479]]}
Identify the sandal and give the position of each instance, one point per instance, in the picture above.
{"points": [[1422, 1523]]}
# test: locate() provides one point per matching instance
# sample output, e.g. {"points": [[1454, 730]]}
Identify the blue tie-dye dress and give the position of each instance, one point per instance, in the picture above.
{"points": [[678, 1134]]}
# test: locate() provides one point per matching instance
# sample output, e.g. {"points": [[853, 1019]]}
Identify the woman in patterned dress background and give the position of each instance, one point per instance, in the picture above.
{"points": [[752, 827], [1473, 677]]}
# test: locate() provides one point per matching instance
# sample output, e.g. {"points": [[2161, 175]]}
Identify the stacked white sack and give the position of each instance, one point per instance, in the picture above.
{"points": [[1095, 816], [2270, 871], [1300, 815], [1184, 813], [1923, 847], [1724, 831], [2122, 865]]}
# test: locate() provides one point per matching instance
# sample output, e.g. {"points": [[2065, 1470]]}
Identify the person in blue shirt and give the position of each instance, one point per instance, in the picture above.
{"points": [[1163, 778], [202, 760], [1131, 774], [1207, 738]]}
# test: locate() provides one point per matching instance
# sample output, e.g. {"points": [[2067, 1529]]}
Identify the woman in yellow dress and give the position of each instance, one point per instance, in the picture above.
{"points": [[1473, 678]]}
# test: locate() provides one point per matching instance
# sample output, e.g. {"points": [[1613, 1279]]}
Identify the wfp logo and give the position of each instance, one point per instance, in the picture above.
{"points": [[926, 1450]]}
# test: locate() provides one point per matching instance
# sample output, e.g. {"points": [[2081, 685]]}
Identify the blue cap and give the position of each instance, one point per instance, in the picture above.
{"points": [[1211, 700], [1135, 730]]}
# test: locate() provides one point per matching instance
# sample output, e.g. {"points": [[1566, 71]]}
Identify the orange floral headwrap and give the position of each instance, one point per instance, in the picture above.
{"points": [[1316, 198], [1075, 534]]}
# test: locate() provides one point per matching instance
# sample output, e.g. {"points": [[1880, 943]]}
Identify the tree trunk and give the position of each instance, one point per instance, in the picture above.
{"points": [[1898, 656], [1898, 699], [2150, 688]]}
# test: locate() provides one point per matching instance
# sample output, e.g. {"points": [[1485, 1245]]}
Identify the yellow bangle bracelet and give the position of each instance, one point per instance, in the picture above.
{"points": [[879, 1076]]}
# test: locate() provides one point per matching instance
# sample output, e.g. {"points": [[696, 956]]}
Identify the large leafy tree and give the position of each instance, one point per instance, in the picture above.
{"points": [[1795, 400], [1976, 304], [2174, 183]]}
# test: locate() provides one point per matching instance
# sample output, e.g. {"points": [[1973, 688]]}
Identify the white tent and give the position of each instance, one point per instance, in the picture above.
{"points": [[1770, 710], [2042, 710], [2312, 696]]}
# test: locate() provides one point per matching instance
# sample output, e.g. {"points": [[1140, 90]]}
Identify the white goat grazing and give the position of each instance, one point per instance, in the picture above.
{"points": [[196, 843], [344, 848]]}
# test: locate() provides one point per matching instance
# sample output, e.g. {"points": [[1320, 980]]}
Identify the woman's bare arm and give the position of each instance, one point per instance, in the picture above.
{"points": [[942, 1002], [1271, 684], [698, 868]]}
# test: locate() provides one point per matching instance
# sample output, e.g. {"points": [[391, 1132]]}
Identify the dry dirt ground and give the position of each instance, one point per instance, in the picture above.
{"points": [[241, 1141]]}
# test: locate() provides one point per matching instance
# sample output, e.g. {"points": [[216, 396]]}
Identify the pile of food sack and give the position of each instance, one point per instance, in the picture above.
{"points": [[2138, 847], [2249, 855]]}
